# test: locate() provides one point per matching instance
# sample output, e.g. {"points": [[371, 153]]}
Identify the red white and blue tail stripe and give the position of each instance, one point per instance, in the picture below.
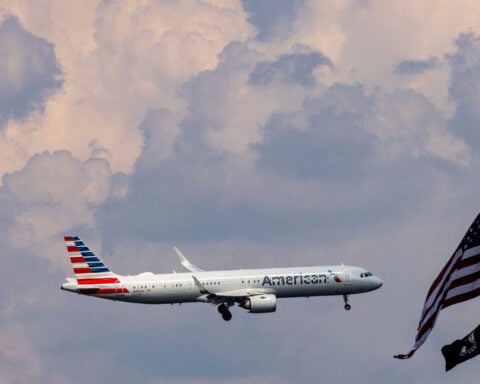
{"points": [[84, 262], [91, 273]]}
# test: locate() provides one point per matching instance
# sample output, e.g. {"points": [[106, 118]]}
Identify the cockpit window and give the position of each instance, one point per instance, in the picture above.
{"points": [[366, 274]]}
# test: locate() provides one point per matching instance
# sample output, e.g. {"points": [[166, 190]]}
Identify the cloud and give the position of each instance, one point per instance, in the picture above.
{"points": [[250, 379], [24, 363], [249, 135], [200, 188], [159, 133], [347, 153], [297, 68], [29, 71], [366, 154], [217, 99], [464, 89], [405, 122], [331, 144], [273, 19], [227, 175], [129, 59], [364, 41], [53, 194], [415, 67]]}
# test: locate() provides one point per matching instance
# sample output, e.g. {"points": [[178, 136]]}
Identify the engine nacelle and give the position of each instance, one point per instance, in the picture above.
{"points": [[260, 303]]}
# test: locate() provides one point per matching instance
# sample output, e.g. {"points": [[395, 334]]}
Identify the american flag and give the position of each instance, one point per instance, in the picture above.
{"points": [[458, 281]]}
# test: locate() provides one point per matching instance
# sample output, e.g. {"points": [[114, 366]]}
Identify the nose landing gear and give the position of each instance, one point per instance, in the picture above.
{"points": [[345, 300], [225, 312]]}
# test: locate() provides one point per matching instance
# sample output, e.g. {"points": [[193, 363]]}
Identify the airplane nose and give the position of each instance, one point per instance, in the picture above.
{"points": [[377, 283]]}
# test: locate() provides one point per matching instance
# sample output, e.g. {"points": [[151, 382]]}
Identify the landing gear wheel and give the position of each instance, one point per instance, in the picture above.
{"points": [[345, 300], [348, 307], [227, 315]]}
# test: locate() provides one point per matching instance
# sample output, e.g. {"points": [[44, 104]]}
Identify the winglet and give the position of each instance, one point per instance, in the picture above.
{"points": [[185, 262]]}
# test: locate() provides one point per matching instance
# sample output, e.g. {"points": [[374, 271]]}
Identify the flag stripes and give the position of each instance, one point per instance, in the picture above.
{"points": [[458, 281], [460, 299]]}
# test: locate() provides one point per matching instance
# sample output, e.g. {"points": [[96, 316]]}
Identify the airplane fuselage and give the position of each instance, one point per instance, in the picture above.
{"points": [[149, 288], [256, 290]]}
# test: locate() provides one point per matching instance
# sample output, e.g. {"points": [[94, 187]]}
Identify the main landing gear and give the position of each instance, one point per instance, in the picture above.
{"points": [[345, 300], [224, 311]]}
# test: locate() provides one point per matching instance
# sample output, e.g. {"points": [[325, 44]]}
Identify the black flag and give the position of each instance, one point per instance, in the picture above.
{"points": [[462, 350]]}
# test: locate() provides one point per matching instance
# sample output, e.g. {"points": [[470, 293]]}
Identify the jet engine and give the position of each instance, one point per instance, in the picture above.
{"points": [[260, 303]]}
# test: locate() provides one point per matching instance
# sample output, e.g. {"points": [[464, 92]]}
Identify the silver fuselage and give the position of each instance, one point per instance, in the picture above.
{"points": [[152, 288]]}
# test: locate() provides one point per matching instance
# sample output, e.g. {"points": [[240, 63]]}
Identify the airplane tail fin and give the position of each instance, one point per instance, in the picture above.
{"points": [[84, 262]]}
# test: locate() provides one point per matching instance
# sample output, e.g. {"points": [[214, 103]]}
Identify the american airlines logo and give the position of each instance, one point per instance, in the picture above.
{"points": [[295, 280]]}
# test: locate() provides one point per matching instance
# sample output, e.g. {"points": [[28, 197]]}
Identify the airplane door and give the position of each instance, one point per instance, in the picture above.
{"points": [[347, 276]]}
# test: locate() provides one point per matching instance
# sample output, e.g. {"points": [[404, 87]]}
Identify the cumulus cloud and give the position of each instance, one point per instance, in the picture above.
{"points": [[415, 67], [405, 122], [273, 18], [332, 144], [464, 89], [53, 194], [132, 57], [337, 145], [295, 67], [29, 71], [252, 135], [159, 132], [365, 41], [25, 364], [251, 379]]}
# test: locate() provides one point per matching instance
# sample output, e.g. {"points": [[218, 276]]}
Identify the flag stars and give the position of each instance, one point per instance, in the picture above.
{"points": [[472, 237]]}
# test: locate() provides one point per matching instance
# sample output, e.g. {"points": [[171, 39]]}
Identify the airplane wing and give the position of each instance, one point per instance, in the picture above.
{"points": [[185, 262], [233, 295], [241, 293]]}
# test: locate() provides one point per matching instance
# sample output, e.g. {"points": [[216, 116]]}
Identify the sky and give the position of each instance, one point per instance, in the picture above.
{"points": [[249, 134]]}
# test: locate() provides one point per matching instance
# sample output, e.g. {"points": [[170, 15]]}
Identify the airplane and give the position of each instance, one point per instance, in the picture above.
{"points": [[255, 290]]}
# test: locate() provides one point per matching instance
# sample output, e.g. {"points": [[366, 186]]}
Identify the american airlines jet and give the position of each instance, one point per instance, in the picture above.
{"points": [[256, 290]]}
